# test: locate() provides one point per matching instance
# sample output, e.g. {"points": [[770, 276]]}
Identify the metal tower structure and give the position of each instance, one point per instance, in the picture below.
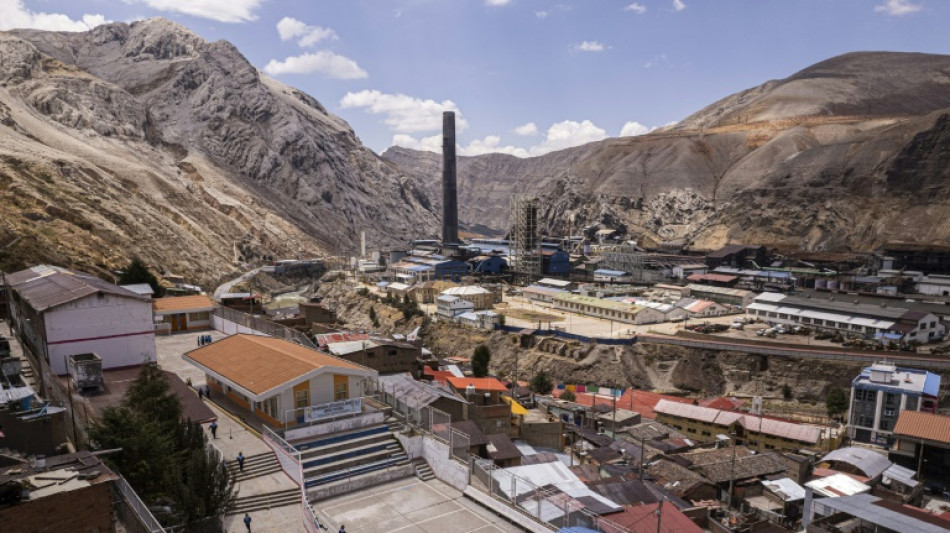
{"points": [[625, 257], [524, 255]]}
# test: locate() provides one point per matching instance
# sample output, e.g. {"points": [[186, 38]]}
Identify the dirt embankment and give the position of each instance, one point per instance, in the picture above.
{"points": [[353, 311]]}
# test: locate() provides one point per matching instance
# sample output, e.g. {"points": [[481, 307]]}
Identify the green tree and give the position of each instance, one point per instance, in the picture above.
{"points": [[786, 391], [836, 402], [567, 396], [137, 272], [481, 358], [163, 456], [373, 318], [541, 383]]}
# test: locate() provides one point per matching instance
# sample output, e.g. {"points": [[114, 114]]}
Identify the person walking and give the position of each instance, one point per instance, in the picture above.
{"points": [[247, 522], [214, 429], [240, 459], [342, 529]]}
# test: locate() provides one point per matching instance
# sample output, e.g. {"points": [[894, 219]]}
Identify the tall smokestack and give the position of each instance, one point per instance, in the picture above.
{"points": [[450, 215]]}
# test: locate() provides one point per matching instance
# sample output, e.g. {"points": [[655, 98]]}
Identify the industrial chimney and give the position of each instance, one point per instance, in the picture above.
{"points": [[450, 215]]}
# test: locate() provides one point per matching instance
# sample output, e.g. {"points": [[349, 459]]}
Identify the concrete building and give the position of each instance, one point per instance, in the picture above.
{"points": [[453, 306], [704, 423], [683, 271], [427, 291], [488, 264], [183, 313], [611, 276], [723, 295], [882, 321], [72, 492], [922, 443], [420, 267], [555, 263], [540, 293], [281, 382], [607, 309], [482, 298], [60, 312], [702, 308], [881, 392], [484, 405], [380, 354], [934, 285]]}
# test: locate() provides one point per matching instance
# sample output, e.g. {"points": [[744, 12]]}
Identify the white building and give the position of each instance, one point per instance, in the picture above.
{"points": [[608, 309], [61, 312], [881, 392], [685, 271], [482, 298], [868, 320], [453, 306], [702, 308], [934, 285]]}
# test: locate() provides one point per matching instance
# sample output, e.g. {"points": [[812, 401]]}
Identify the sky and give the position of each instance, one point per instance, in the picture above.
{"points": [[526, 77]]}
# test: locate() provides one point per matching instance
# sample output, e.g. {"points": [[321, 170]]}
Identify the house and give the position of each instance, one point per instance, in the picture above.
{"points": [[649, 518], [184, 313], [479, 319], [316, 313], [60, 312], [881, 392], [608, 309], [744, 473], [502, 451], [541, 293], [281, 382], [922, 443], [764, 432], [618, 420], [484, 405], [453, 306], [482, 298], [417, 396], [71, 492], [381, 354], [554, 283], [680, 480], [715, 280], [881, 321], [702, 308], [397, 289], [722, 295], [934, 285], [242, 301], [427, 291], [866, 512]]}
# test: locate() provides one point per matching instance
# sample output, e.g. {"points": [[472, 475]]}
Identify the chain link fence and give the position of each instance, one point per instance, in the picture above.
{"points": [[264, 326]]}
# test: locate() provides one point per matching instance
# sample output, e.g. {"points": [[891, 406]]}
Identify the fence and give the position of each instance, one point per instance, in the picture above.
{"points": [[260, 325], [447, 448], [137, 510], [287, 455]]}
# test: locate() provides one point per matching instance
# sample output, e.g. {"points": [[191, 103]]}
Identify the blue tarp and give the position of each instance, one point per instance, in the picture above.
{"points": [[889, 336], [617, 273], [932, 384]]}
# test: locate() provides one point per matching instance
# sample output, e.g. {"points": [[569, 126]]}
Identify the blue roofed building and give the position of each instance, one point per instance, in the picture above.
{"points": [[604, 274], [881, 392], [419, 268], [488, 264], [555, 263]]}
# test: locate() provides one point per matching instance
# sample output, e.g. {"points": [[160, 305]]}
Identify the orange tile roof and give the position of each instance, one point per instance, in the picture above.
{"points": [[489, 384], [925, 426], [260, 364], [182, 303]]}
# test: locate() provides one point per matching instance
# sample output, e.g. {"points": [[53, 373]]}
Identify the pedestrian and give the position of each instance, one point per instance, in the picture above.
{"points": [[240, 459], [342, 529], [214, 429], [200, 392], [199, 341], [247, 522], [207, 392]]}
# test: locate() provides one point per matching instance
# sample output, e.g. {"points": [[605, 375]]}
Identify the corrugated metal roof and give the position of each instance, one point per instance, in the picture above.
{"points": [[838, 485], [718, 290], [46, 287], [786, 489], [895, 518], [902, 475], [926, 426], [348, 347]]}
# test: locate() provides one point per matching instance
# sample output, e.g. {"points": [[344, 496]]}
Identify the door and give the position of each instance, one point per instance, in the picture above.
{"points": [[182, 322]]}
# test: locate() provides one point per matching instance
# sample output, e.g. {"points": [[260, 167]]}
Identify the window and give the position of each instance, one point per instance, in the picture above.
{"points": [[706, 434], [890, 399], [864, 395], [340, 390], [204, 315], [889, 412], [301, 398], [911, 403]]}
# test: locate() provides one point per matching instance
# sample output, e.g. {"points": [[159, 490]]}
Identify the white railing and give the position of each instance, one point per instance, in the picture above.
{"points": [[138, 507], [287, 455]]}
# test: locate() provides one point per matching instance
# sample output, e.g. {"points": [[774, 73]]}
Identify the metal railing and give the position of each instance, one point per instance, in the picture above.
{"points": [[137, 506], [263, 326]]}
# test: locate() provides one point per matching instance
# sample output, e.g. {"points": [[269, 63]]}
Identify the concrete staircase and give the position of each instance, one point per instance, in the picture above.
{"points": [[258, 465], [423, 471], [261, 502], [348, 454]]}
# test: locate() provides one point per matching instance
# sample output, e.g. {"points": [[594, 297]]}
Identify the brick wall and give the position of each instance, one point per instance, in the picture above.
{"points": [[85, 510]]}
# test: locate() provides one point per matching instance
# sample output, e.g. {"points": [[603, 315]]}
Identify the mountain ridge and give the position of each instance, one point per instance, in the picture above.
{"points": [[814, 161], [178, 139]]}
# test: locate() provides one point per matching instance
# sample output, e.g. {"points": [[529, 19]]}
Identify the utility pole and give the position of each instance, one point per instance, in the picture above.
{"points": [[641, 459], [659, 515]]}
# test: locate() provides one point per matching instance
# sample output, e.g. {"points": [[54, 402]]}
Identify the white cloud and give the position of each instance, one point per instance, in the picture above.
{"points": [[494, 3], [657, 59], [897, 8], [404, 114], [13, 14], [323, 62], [590, 46], [491, 145], [567, 134], [637, 8], [633, 128], [679, 5], [541, 14], [427, 144], [220, 10], [291, 28], [527, 129]]}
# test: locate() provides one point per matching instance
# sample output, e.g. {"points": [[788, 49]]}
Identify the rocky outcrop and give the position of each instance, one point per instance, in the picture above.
{"points": [[844, 155], [144, 139]]}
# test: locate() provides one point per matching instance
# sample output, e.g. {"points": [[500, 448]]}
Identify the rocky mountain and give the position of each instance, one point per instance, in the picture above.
{"points": [[844, 155], [145, 139]]}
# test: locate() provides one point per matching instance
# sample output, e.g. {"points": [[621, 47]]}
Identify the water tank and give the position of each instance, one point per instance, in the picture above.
{"points": [[86, 370]]}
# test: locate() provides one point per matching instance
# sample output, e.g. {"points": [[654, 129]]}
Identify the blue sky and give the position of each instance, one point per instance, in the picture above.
{"points": [[526, 76]]}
